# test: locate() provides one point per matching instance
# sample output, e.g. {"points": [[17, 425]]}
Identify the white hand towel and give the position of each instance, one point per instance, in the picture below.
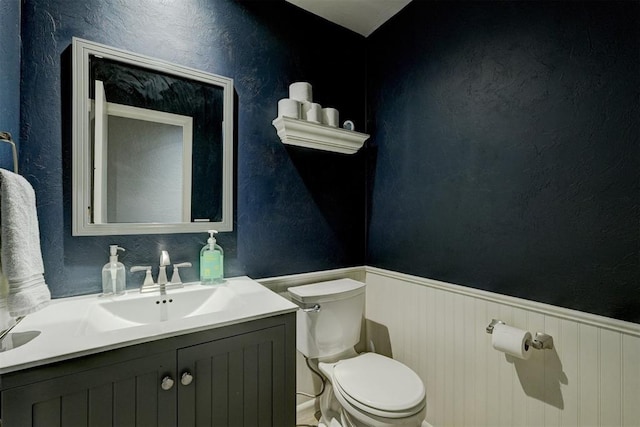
{"points": [[20, 254], [6, 321]]}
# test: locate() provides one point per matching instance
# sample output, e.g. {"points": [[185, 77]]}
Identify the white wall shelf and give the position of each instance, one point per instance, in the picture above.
{"points": [[320, 137]]}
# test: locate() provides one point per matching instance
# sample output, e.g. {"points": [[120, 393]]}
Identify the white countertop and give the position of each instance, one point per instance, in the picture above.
{"points": [[59, 335]]}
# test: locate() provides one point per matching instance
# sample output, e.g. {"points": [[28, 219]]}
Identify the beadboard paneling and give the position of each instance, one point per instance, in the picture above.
{"points": [[590, 378]]}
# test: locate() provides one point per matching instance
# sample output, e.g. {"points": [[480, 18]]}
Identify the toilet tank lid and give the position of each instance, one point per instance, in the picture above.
{"points": [[331, 290]]}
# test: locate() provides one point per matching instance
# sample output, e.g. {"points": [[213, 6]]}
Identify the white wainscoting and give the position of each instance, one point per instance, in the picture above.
{"points": [[590, 378]]}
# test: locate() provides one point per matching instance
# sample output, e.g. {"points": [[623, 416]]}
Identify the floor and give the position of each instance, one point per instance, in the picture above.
{"points": [[307, 417]]}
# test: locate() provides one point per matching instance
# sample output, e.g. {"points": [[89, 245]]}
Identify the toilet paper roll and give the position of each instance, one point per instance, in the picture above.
{"points": [[512, 341], [301, 91], [312, 112], [289, 108], [330, 117]]}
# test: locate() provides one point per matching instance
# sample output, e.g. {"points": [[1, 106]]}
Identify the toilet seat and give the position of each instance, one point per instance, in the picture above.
{"points": [[380, 386]]}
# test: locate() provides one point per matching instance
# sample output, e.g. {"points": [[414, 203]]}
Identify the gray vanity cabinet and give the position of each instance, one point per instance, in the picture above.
{"points": [[239, 375], [123, 394], [238, 381]]}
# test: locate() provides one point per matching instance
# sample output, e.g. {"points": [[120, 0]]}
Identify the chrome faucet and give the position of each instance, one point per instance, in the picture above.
{"points": [[162, 273], [162, 284]]}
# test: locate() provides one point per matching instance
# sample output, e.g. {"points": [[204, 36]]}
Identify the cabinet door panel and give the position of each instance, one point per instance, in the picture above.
{"points": [[124, 402], [45, 413], [236, 381], [219, 395], [266, 371], [124, 394], [73, 408]]}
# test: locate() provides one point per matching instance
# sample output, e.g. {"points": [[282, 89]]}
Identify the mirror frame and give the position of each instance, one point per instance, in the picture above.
{"points": [[81, 151]]}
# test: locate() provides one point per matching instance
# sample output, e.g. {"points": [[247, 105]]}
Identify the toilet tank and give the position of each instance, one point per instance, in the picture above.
{"points": [[335, 326]]}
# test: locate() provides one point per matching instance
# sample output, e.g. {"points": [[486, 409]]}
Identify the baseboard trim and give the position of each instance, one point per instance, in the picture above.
{"points": [[538, 307]]}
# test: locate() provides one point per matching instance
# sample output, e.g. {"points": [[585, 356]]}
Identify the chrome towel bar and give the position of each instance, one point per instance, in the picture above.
{"points": [[6, 137]]}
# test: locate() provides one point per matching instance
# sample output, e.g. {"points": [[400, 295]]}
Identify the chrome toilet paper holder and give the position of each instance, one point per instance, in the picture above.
{"points": [[540, 341]]}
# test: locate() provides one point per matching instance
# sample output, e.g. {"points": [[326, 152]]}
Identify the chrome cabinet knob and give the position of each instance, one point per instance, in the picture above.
{"points": [[167, 383], [186, 378]]}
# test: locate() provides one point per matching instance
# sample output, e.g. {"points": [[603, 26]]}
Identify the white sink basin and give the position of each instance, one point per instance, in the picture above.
{"points": [[139, 309], [87, 324]]}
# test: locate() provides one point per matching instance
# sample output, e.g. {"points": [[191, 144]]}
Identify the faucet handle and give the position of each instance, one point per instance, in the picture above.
{"points": [[148, 280], [182, 264], [175, 277], [164, 259]]}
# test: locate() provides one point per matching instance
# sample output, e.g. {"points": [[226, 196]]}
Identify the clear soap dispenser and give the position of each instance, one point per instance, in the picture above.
{"points": [[211, 261], [113, 274]]}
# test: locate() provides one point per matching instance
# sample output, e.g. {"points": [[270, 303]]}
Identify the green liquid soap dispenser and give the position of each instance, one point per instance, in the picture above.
{"points": [[211, 262], [113, 275]]}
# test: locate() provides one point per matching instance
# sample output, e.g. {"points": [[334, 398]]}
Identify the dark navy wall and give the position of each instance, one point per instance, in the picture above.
{"points": [[506, 149], [9, 77], [296, 211], [504, 153]]}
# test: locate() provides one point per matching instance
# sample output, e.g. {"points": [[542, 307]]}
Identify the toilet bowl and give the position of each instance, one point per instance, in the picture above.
{"points": [[362, 390], [376, 391]]}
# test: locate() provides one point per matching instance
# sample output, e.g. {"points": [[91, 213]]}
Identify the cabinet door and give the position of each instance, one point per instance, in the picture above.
{"points": [[237, 381], [124, 394]]}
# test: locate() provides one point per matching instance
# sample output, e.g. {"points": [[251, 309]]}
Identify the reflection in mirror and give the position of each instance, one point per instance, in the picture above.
{"points": [[153, 145], [136, 150]]}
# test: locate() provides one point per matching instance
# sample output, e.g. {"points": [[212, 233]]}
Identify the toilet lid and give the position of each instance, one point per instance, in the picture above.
{"points": [[379, 382]]}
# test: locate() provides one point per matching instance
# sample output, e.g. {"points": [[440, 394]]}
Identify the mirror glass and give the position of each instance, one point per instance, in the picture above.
{"points": [[152, 145]]}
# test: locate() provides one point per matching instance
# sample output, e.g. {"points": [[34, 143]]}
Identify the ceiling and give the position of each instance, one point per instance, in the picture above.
{"points": [[361, 16]]}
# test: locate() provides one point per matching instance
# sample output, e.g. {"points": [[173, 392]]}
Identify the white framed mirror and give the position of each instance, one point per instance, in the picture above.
{"points": [[152, 145]]}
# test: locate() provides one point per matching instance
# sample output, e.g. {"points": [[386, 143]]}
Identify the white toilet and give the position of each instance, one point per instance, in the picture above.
{"points": [[365, 389]]}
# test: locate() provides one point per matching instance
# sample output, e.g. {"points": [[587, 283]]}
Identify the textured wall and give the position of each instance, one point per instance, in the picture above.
{"points": [[506, 138], [9, 76], [505, 154], [296, 211]]}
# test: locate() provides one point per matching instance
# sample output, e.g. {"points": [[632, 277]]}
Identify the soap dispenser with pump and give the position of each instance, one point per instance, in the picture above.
{"points": [[113, 274], [211, 261]]}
